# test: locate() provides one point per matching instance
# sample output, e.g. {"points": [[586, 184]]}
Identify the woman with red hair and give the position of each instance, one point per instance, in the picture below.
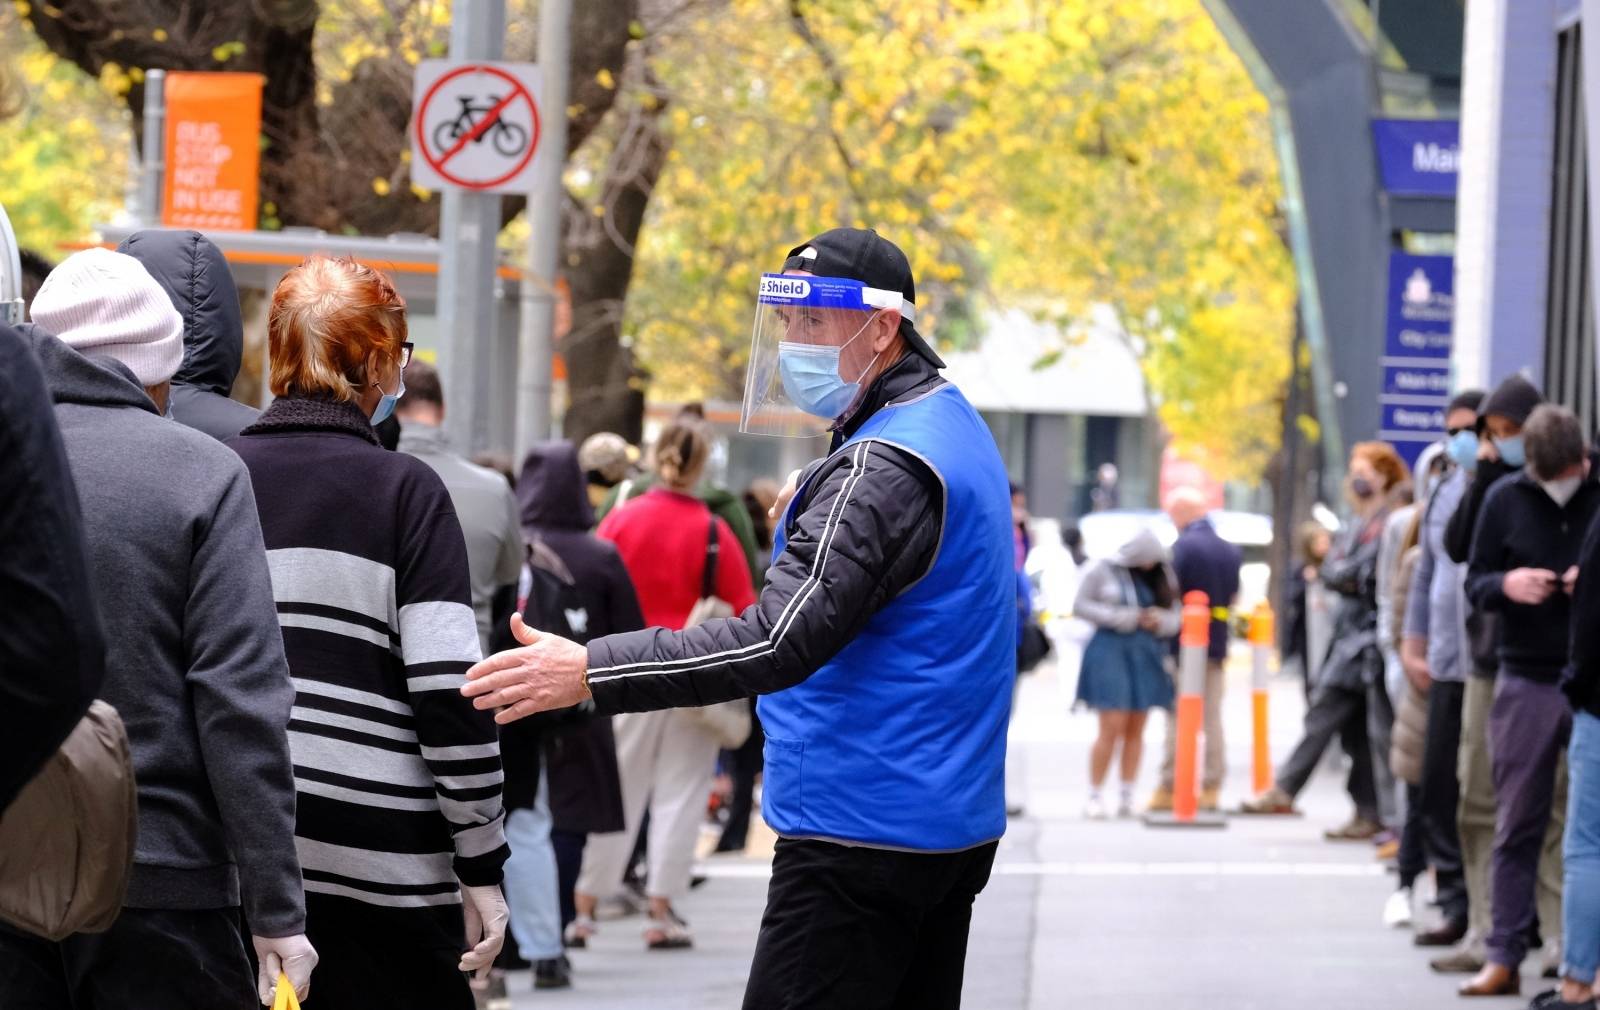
{"points": [[1339, 696], [399, 822]]}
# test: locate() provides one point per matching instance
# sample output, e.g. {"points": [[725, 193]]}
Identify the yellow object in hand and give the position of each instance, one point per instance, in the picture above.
{"points": [[283, 997]]}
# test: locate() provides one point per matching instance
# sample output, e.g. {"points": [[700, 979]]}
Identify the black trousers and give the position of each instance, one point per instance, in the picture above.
{"points": [[1413, 858], [372, 957], [1441, 795], [150, 959], [865, 928], [1341, 712], [569, 846], [743, 765]]}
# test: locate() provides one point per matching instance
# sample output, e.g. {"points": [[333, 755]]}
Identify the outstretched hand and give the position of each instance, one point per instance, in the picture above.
{"points": [[545, 674]]}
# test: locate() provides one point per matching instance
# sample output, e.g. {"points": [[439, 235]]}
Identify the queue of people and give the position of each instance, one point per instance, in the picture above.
{"points": [[396, 722], [1463, 632], [294, 607]]}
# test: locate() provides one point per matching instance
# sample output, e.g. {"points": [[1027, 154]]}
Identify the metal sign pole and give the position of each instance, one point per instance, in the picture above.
{"points": [[545, 202], [152, 160], [468, 224]]}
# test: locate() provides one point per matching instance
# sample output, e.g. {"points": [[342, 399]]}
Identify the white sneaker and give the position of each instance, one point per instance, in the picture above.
{"points": [[1095, 809], [1125, 807], [1397, 910]]}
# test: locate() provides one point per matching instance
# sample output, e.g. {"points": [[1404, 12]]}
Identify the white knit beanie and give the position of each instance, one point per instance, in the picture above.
{"points": [[104, 302]]}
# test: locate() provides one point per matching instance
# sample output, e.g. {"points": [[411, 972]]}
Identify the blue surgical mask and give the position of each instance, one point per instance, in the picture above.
{"points": [[1463, 449], [385, 406], [1511, 451], [810, 374]]}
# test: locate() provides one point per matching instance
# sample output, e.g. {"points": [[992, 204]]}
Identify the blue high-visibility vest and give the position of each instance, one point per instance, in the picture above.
{"points": [[899, 741]]}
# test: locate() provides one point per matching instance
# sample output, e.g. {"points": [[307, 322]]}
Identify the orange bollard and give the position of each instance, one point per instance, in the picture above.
{"points": [[1192, 641], [1190, 716], [1261, 636]]}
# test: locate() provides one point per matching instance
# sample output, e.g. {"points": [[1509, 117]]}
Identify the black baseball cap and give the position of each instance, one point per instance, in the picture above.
{"points": [[861, 254]]}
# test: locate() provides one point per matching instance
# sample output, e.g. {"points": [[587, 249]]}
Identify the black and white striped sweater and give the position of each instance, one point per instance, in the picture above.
{"points": [[398, 776]]}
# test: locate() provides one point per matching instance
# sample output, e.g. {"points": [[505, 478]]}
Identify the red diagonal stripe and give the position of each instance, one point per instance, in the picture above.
{"points": [[483, 124]]}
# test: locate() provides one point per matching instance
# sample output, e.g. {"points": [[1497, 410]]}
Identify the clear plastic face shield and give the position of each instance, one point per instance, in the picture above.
{"points": [[811, 349]]}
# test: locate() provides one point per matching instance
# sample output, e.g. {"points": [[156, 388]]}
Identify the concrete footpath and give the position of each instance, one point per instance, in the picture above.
{"points": [[1261, 914]]}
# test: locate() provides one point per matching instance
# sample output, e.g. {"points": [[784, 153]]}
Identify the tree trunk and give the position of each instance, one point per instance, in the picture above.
{"points": [[606, 387], [321, 166], [1293, 472]]}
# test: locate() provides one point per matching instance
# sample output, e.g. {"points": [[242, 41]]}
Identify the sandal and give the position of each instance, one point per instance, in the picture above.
{"points": [[671, 933], [578, 932]]}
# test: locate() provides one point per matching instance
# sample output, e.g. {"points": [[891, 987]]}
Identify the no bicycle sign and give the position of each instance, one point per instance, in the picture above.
{"points": [[474, 125]]}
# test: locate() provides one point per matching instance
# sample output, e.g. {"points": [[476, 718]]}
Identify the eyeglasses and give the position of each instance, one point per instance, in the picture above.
{"points": [[1453, 432], [405, 354]]}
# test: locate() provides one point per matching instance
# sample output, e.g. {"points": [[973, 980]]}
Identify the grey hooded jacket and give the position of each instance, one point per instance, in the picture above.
{"points": [[194, 658], [1106, 594], [196, 277]]}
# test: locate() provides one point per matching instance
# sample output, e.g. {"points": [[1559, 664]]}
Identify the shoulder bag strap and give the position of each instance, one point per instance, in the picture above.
{"points": [[708, 579]]}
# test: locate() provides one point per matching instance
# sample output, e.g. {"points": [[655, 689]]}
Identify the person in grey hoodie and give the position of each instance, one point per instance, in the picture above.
{"points": [[1132, 600], [195, 666], [483, 500], [196, 277]]}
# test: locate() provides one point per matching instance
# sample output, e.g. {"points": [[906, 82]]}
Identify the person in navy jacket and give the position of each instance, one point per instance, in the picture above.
{"points": [[882, 646], [1205, 562]]}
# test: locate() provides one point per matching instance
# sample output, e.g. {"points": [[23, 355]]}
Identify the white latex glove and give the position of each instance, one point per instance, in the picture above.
{"points": [[292, 955], [485, 910]]}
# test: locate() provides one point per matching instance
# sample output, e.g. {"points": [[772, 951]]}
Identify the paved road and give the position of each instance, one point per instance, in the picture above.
{"points": [[1262, 914]]}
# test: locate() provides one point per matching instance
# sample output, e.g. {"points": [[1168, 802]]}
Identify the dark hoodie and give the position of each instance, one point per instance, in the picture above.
{"points": [[52, 652], [555, 509], [585, 793], [196, 277], [1520, 526], [1514, 399], [195, 663]]}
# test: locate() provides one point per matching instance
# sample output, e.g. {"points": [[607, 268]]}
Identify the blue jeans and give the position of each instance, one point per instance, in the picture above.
{"points": [[1581, 892], [532, 887]]}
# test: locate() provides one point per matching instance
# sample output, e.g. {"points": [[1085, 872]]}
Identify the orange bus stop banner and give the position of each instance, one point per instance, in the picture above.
{"points": [[213, 151]]}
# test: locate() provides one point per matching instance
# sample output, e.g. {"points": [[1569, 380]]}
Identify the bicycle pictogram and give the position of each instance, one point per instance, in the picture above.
{"points": [[474, 126], [508, 139]]}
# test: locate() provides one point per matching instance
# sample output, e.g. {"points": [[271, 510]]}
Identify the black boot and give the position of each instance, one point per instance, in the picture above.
{"points": [[554, 973]]}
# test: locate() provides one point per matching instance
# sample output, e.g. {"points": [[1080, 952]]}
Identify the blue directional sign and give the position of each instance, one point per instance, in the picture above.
{"points": [[1416, 351], [1418, 157], [1416, 380]]}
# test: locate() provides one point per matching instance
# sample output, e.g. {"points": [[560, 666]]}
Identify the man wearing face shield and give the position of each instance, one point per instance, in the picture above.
{"points": [[882, 645]]}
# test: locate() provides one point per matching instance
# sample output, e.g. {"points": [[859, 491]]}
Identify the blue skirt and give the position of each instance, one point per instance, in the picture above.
{"points": [[1124, 672]]}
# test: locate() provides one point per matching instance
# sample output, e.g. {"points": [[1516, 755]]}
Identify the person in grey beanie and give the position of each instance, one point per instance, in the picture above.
{"points": [[195, 666]]}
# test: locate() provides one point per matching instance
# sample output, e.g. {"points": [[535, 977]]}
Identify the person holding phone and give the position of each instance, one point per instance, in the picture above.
{"points": [[1523, 565]]}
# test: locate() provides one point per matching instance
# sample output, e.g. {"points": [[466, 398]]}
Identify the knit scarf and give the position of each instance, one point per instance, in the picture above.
{"points": [[300, 413]]}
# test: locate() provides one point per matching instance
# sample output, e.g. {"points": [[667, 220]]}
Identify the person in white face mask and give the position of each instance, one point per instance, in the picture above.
{"points": [[1524, 565]]}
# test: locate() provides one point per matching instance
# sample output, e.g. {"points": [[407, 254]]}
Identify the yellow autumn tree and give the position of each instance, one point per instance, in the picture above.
{"points": [[1049, 156], [63, 155]]}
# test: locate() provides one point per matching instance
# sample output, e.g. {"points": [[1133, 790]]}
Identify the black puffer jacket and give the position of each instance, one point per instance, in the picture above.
{"points": [[579, 750], [1351, 571], [879, 511], [196, 277]]}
